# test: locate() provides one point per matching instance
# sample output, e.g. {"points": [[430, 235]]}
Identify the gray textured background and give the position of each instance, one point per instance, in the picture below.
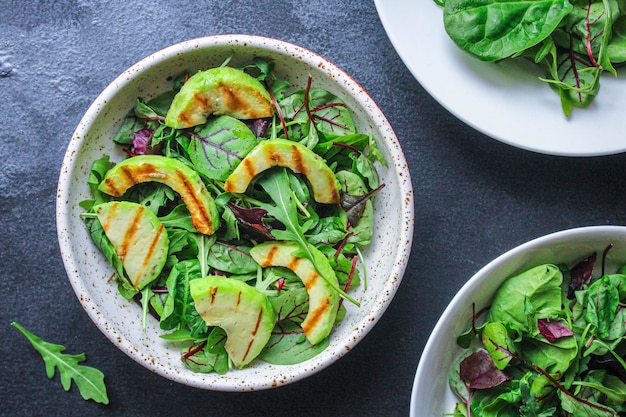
{"points": [[475, 198]]}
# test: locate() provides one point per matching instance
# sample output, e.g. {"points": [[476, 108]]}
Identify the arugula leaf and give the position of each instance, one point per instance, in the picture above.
{"points": [[276, 185], [90, 381]]}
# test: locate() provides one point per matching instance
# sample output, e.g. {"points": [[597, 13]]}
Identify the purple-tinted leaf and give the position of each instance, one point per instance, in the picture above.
{"points": [[553, 330], [141, 141], [581, 274], [251, 217], [479, 370], [354, 205], [258, 126]]}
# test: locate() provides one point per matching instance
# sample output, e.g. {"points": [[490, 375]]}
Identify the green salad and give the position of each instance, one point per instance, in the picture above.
{"points": [[574, 41], [552, 343], [239, 215]]}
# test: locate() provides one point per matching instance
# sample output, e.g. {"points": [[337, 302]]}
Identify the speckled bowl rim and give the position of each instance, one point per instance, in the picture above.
{"points": [[398, 164]]}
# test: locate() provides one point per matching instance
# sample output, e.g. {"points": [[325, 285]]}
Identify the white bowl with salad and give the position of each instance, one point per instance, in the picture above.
{"points": [[235, 212], [540, 329]]}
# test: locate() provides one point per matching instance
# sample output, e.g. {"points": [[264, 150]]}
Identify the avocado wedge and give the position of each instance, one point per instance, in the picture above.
{"points": [[219, 91], [139, 238], [173, 173], [288, 154], [323, 298], [244, 313]]}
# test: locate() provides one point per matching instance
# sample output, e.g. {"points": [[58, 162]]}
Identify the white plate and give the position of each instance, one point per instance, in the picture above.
{"points": [[506, 100]]}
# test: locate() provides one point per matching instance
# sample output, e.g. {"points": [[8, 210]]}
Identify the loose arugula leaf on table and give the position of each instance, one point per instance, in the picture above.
{"points": [[88, 380]]}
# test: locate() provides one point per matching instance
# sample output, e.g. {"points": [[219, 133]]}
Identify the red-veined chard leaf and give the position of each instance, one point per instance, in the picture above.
{"points": [[288, 345], [602, 305], [209, 355], [328, 113], [496, 340], [217, 148], [291, 305]]}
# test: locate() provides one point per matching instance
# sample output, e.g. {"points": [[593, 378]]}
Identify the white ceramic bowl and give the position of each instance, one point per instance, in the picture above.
{"points": [[89, 273], [431, 395]]}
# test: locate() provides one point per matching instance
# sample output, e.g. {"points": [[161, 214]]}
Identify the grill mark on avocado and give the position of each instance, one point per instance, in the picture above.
{"points": [[153, 245], [111, 214], [269, 257], [238, 302], [200, 104], [293, 263], [311, 280], [316, 315], [254, 332], [249, 167], [213, 294], [298, 161], [232, 101], [130, 233], [202, 222]]}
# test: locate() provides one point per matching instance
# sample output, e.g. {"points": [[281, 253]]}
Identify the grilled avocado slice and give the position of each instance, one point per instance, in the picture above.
{"points": [[288, 154], [323, 298], [173, 173], [139, 238], [245, 314], [219, 91]]}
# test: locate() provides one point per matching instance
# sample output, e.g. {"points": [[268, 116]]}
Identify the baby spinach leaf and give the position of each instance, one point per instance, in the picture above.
{"points": [[616, 49], [231, 258], [88, 380], [98, 170], [522, 299], [497, 29], [179, 307], [217, 147]]}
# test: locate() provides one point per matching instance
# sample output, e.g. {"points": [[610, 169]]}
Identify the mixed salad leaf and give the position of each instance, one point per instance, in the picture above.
{"points": [[277, 206], [88, 380], [574, 41], [552, 343]]}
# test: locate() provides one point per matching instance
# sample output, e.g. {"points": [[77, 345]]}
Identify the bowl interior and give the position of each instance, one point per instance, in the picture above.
{"points": [[431, 394], [90, 275]]}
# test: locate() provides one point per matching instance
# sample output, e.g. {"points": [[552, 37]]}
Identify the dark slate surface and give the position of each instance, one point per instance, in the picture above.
{"points": [[475, 198]]}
